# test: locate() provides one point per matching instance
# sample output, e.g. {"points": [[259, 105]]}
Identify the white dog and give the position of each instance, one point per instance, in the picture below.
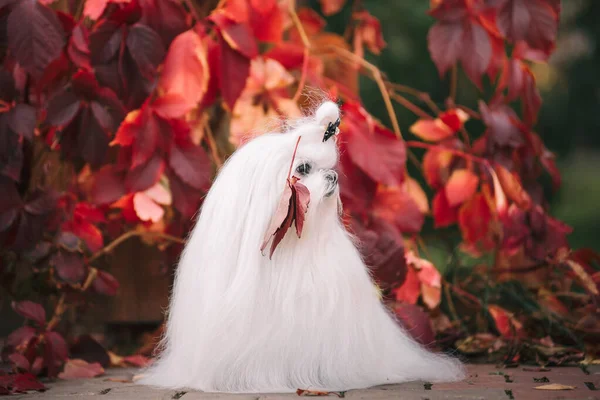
{"points": [[310, 316]]}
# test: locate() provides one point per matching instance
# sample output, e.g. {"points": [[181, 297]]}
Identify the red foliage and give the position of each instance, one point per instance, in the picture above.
{"points": [[114, 116]]}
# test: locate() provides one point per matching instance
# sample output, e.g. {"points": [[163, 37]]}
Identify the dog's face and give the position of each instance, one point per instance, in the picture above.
{"points": [[315, 166]]}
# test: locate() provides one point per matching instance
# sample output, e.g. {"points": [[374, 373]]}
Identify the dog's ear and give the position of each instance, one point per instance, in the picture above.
{"points": [[327, 113]]}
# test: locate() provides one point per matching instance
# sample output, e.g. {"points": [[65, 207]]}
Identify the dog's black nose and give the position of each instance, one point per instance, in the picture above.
{"points": [[332, 177]]}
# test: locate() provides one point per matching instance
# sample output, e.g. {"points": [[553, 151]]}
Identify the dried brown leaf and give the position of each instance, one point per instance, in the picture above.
{"points": [[292, 207], [555, 386]]}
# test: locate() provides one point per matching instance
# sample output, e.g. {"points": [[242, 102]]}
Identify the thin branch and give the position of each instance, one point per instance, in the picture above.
{"points": [[465, 137], [193, 10], [79, 10], [90, 278], [473, 114], [376, 73], [410, 106], [127, 235], [298, 24], [415, 160], [450, 302], [293, 157], [302, 80], [518, 270], [465, 295], [466, 156], [210, 139], [58, 312], [423, 96]]}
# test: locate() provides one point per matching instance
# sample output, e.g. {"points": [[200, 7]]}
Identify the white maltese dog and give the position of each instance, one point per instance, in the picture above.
{"points": [[306, 315]]}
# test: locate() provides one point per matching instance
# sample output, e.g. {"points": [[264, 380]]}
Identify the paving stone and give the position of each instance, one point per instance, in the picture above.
{"points": [[485, 382]]}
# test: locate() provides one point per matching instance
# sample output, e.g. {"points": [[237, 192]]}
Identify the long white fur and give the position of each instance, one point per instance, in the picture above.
{"points": [[309, 318]]}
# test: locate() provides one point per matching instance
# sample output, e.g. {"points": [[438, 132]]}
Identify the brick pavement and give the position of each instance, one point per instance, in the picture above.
{"points": [[484, 382]]}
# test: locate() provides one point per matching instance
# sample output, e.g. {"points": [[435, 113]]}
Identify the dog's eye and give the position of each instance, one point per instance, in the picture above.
{"points": [[303, 169]]}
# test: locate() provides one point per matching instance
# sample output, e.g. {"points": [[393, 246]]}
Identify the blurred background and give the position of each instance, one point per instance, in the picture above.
{"points": [[569, 120]]}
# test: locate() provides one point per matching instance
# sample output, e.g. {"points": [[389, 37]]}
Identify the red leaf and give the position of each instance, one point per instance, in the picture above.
{"points": [[534, 21], [236, 34], [167, 17], [30, 310], [191, 164], [146, 49], [137, 360], [21, 336], [185, 198], [410, 290], [39, 41], [302, 199], [548, 161], [501, 121], [460, 34], [93, 9], [357, 189], [461, 186], [55, 352], [282, 219], [58, 345], [506, 324], [186, 72], [289, 55], [105, 283], [330, 7], [90, 234], [144, 176], [312, 22], [511, 186], [445, 43], [76, 368], [292, 206], [263, 6], [19, 361], [474, 219], [235, 69], [268, 24], [147, 138], [146, 209], [396, 206], [62, 108], [531, 100], [476, 52], [382, 247], [68, 266], [22, 120], [128, 130], [25, 382], [372, 148], [443, 214], [436, 165], [417, 323], [434, 130], [78, 48], [367, 33], [109, 185]]}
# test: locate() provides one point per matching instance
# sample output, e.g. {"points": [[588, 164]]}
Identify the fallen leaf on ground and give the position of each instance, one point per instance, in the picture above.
{"points": [[119, 380], [303, 392], [555, 386], [78, 368]]}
